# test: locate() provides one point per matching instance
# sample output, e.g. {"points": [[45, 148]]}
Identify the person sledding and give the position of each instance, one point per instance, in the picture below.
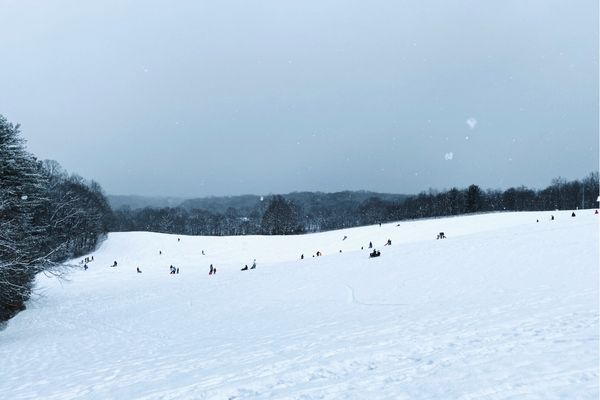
{"points": [[245, 268], [374, 253], [388, 243], [139, 271]]}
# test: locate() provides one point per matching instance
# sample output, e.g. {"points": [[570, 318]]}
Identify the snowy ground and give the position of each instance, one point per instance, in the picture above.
{"points": [[505, 308]]}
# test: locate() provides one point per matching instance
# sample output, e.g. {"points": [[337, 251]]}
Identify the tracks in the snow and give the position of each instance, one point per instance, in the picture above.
{"points": [[352, 299]]}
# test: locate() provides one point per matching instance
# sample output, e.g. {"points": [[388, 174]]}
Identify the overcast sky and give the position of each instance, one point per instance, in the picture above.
{"points": [[196, 98]]}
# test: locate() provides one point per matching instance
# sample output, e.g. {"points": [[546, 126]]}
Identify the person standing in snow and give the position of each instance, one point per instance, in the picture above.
{"points": [[253, 264], [210, 272]]}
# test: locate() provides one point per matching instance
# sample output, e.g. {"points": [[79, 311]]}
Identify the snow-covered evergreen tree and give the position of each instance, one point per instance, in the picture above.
{"points": [[46, 217]]}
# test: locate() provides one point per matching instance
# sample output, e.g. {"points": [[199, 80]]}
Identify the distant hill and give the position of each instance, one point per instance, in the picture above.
{"points": [[136, 202], [220, 204], [248, 202], [243, 215], [307, 200]]}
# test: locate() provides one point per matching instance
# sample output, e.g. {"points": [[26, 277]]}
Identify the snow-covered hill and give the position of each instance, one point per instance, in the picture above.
{"points": [[505, 308]]}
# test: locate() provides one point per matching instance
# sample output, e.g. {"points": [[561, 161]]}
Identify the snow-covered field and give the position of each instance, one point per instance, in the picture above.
{"points": [[505, 308]]}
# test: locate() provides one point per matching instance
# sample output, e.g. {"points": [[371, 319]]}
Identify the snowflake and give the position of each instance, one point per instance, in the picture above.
{"points": [[471, 122]]}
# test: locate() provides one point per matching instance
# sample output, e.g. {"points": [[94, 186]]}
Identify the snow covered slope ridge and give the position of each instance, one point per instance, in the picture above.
{"points": [[504, 308]]}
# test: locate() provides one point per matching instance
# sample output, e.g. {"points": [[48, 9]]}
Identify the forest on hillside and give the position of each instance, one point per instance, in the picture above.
{"points": [[307, 212]]}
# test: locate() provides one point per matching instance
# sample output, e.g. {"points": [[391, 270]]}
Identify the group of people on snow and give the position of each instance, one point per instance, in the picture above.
{"points": [[374, 253], [213, 270], [86, 261], [252, 267]]}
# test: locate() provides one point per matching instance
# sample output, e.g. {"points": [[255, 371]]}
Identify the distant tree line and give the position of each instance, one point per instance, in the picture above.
{"points": [[560, 195], [46, 217], [280, 215]]}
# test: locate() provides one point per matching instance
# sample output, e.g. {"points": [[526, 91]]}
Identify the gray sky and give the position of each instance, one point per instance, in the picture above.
{"points": [[195, 98]]}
